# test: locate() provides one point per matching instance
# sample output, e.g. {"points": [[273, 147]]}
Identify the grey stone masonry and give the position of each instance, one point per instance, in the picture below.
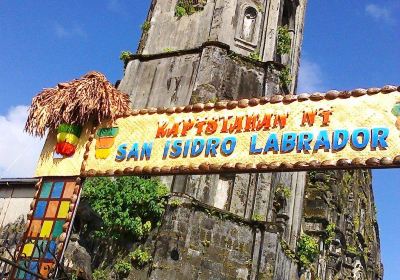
{"points": [[230, 226], [225, 50]]}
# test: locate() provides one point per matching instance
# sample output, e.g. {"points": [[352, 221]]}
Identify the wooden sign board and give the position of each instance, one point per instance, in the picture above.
{"points": [[360, 128]]}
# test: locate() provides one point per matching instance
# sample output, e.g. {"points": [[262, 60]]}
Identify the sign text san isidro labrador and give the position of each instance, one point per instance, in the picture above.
{"points": [[359, 128]]}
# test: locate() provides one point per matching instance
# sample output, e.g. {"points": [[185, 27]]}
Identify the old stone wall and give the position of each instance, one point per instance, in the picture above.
{"points": [[206, 74], [344, 200], [246, 26], [196, 241], [164, 81], [230, 58]]}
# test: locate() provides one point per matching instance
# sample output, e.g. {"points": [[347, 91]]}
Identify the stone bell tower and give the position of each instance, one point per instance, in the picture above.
{"points": [[226, 226]]}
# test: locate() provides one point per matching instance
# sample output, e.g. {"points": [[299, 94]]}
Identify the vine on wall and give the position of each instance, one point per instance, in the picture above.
{"points": [[307, 250], [189, 7], [255, 55], [331, 234], [125, 57], [284, 40], [283, 46], [285, 78]]}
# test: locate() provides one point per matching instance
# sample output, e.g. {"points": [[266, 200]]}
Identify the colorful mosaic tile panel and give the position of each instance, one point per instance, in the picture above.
{"points": [[50, 213]]}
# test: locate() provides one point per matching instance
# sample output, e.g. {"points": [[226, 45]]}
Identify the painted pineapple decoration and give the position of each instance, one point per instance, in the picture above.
{"points": [[105, 138], [67, 139]]}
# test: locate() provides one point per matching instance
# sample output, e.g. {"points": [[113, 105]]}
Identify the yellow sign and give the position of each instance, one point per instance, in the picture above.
{"points": [[336, 130]]}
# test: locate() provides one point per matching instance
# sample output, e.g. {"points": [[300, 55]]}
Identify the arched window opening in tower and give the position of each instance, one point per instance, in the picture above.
{"points": [[249, 23]]}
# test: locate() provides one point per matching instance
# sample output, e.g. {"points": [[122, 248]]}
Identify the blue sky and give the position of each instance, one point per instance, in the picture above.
{"points": [[347, 45]]}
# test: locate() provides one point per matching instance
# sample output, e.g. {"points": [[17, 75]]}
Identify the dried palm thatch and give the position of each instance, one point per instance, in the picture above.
{"points": [[89, 98]]}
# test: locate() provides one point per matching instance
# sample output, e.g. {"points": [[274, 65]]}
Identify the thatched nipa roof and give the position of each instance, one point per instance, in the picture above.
{"points": [[91, 97]]}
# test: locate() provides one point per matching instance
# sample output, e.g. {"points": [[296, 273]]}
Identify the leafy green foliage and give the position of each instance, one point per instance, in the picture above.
{"points": [[284, 41], [285, 77], [356, 221], [188, 7], [175, 202], [257, 218], [286, 249], [125, 56], [168, 50], [146, 26], [206, 243], [180, 11], [352, 250], [283, 191], [260, 7], [100, 274], [213, 99], [307, 250], [255, 55], [122, 267], [330, 232], [127, 205], [140, 257]]}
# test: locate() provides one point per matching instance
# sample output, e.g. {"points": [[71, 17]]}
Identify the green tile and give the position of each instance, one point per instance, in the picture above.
{"points": [[107, 132], [58, 228], [20, 273], [46, 189]]}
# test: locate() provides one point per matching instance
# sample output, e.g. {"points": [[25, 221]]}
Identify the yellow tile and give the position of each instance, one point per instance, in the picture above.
{"points": [[28, 249], [46, 229], [64, 209], [103, 153]]}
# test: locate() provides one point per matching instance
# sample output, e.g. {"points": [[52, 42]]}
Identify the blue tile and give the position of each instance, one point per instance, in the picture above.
{"points": [[51, 250], [34, 267], [40, 209], [57, 190]]}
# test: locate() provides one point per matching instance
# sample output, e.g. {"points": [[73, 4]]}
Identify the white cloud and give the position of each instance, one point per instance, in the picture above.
{"points": [[310, 77], [69, 32], [379, 13], [19, 152]]}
